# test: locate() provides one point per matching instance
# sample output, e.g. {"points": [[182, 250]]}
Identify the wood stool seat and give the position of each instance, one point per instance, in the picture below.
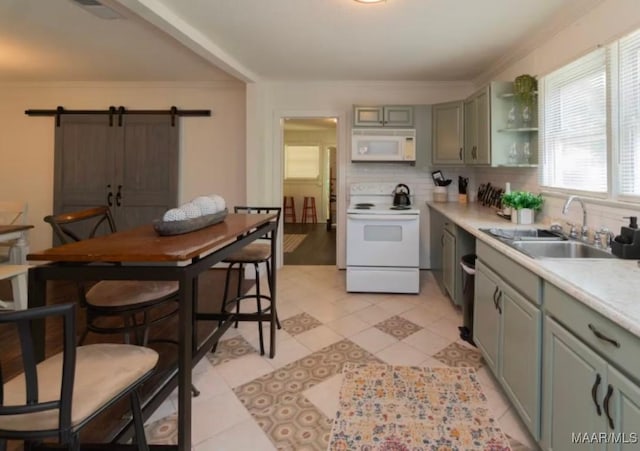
{"points": [[289, 209], [309, 210]]}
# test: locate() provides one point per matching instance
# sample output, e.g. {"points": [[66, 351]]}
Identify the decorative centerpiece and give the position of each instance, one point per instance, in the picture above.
{"points": [[523, 205], [201, 212]]}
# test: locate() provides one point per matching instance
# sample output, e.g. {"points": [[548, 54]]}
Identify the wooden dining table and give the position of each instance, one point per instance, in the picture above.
{"points": [[141, 254]]}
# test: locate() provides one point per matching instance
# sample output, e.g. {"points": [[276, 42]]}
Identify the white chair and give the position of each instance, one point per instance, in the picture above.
{"points": [[18, 276], [12, 213]]}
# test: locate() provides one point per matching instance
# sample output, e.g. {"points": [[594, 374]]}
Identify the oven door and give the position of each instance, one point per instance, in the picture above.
{"points": [[383, 240]]}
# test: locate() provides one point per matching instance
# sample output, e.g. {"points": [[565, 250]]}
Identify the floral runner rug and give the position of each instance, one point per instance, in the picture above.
{"points": [[384, 407], [292, 241]]}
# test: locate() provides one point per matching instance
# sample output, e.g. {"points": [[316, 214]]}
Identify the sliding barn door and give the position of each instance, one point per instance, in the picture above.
{"points": [[84, 162], [147, 169], [131, 166]]}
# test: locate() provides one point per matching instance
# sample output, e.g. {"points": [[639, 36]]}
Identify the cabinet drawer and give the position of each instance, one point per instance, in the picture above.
{"points": [[451, 227], [578, 318], [523, 280]]}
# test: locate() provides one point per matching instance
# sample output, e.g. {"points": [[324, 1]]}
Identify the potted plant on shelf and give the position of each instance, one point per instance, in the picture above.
{"points": [[523, 205], [524, 89]]}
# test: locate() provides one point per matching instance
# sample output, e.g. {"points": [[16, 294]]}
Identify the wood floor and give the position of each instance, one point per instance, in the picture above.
{"points": [[211, 286], [318, 248]]}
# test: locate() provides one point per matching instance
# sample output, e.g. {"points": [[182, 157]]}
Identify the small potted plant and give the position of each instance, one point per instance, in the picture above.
{"points": [[523, 204]]}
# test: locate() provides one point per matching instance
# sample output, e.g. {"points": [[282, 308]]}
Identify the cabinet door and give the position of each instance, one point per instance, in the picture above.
{"points": [[398, 116], [449, 262], [574, 388], [482, 153], [624, 410], [470, 130], [368, 116], [486, 317], [447, 129], [521, 353], [436, 230]]}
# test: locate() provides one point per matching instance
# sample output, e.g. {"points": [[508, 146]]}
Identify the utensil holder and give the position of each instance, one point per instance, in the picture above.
{"points": [[440, 194], [463, 199]]}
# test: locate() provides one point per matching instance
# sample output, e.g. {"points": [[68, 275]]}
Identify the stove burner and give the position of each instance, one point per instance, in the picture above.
{"points": [[362, 207], [365, 205], [400, 207]]}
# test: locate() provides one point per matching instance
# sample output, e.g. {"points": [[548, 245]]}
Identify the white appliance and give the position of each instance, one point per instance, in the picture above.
{"points": [[383, 241], [383, 145]]}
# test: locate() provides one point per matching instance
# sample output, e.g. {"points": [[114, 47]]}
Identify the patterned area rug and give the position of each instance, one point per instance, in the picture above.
{"points": [[384, 407], [292, 241]]}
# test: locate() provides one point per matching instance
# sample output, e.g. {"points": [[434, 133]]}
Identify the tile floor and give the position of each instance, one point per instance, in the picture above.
{"points": [[249, 402]]}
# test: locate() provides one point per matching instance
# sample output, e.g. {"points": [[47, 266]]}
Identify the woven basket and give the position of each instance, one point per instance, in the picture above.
{"points": [[165, 228]]}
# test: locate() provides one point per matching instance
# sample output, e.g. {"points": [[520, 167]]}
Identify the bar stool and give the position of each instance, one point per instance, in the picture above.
{"points": [[309, 210], [254, 254], [289, 209]]}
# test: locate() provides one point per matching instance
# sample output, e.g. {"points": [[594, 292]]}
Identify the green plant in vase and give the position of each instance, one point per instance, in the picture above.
{"points": [[523, 205], [525, 87]]}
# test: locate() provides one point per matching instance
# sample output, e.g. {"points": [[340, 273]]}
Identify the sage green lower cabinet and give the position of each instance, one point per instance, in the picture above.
{"points": [[449, 266], [521, 355], [592, 372], [507, 330], [486, 318], [624, 410], [574, 376]]}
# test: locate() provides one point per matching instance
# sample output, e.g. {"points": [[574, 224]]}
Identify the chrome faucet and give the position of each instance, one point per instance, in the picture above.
{"points": [[584, 231]]}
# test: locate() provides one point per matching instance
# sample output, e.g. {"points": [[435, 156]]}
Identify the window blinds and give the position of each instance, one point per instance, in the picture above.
{"points": [[629, 115], [301, 162], [574, 125]]}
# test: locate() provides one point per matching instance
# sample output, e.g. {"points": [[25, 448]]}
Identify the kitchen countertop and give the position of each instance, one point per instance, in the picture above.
{"points": [[608, 286]]}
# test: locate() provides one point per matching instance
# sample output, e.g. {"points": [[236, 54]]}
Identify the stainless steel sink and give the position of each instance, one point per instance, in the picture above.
{"points": [[559, 249], [520, 234]]}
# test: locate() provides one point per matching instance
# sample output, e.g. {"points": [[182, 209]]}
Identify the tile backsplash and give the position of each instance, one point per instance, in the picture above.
{"points": [[421, 185]]}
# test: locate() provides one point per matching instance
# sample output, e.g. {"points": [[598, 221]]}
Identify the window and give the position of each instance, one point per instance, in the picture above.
{"points": [[302, 162], [574, 125], [629, 115], [590, 112]]}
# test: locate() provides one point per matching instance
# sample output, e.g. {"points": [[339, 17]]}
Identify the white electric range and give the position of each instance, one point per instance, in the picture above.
{"points": [[383, 241]]}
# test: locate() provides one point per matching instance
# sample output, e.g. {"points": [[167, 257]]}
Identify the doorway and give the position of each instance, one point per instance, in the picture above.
{"points": [[309, 190]]}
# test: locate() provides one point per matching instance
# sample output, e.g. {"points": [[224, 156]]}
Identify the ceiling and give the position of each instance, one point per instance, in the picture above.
{"points": [[251, 40]]}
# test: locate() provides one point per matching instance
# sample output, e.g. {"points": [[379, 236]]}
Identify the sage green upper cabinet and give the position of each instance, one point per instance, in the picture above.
{"points": [[477, 145], [447, 133], [498, 130], [513, 128], [383, 116]]}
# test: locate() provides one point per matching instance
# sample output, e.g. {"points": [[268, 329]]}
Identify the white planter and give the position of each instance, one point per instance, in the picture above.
{"points": [[525, 216]]}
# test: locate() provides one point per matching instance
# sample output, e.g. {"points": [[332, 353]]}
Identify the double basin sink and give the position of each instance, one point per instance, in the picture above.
{"points": [[542, 243]]}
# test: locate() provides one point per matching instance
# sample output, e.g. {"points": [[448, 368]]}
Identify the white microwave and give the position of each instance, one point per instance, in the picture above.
{"points": [[383, 145]]}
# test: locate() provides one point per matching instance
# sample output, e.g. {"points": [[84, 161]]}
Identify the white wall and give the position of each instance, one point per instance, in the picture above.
{"points": [[212, 148], [267, 103]]}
